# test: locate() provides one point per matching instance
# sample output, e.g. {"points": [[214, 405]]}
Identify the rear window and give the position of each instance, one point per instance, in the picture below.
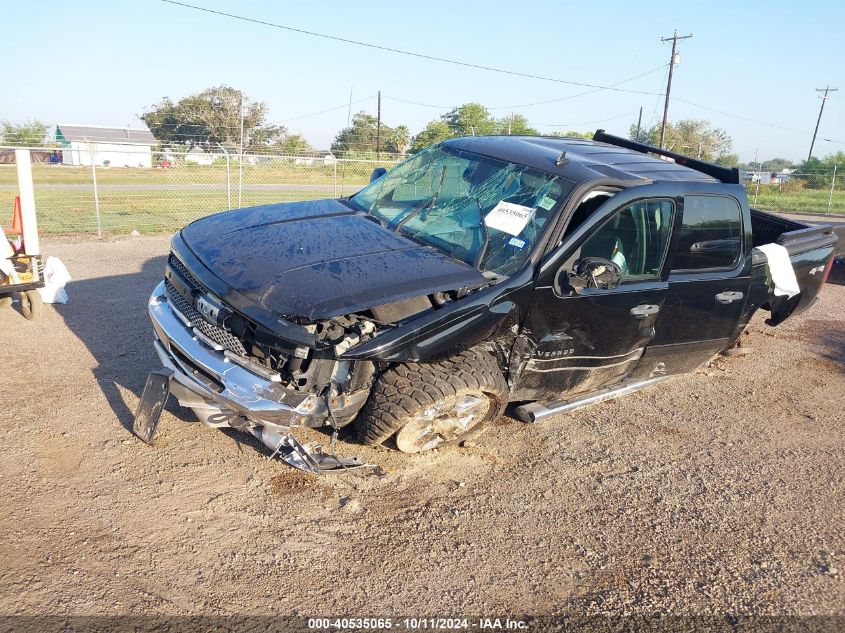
{"points": [[710, 235]]}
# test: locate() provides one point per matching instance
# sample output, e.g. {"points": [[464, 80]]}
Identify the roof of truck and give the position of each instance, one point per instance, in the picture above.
{"points": [[586, 160]]}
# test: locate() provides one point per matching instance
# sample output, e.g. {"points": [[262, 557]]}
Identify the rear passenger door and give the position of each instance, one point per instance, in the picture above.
{"points": [[708, 282]]}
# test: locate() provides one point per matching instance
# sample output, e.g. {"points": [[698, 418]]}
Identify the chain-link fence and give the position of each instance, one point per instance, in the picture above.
{"points": [[136, 189], [820, 192], [161, 191]]}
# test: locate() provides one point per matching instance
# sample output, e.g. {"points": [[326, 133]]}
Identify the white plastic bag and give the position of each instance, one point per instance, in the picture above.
{"points": [[780, 270], [55, 278]]}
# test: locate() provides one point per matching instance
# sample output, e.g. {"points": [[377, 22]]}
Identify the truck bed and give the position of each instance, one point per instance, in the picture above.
{"points": [[810, 248], [796, 237]]}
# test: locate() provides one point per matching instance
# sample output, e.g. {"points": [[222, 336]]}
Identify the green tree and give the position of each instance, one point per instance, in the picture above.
{"points": [[690, 137], [399, 140], [23, 134], [213, 116], [728, 160], [573, 134], [434, 132], [470, 119], [776, 164], [516, 125], [293, 144], [360, 138], [642, 137], [817, 172]]}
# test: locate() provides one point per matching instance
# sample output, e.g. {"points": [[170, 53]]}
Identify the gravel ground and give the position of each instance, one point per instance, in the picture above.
{"points": [[720, 492]]}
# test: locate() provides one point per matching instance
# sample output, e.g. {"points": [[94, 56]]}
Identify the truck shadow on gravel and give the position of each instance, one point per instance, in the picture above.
{"points": [[109, 315]]}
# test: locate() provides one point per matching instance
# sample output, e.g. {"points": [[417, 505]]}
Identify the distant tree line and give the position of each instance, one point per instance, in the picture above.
{"points": [[691, 137], [30, 133], [213, 117]]}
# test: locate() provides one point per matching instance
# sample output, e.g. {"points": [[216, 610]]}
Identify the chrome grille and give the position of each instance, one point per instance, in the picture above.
{"points": [[215, 333], [176, 264]]}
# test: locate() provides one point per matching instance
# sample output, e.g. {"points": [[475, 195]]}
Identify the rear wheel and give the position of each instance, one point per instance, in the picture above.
{"points": [[32, 307], [426, 405]]}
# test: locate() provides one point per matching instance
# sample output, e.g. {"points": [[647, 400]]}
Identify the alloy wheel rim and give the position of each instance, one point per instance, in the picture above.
{"points": [[442, 422]]}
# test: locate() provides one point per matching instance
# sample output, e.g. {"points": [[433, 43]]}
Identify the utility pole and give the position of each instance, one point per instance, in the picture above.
{"points": [[378, 126], [827, 90], [639, 124], [241, 155], [674, 39]]}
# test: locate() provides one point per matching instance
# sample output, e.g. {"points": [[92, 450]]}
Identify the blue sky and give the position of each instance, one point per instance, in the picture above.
{"points": [[103, 62]]}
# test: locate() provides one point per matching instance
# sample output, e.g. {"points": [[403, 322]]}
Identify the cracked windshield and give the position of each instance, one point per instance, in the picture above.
{"points": [[485, 212]]}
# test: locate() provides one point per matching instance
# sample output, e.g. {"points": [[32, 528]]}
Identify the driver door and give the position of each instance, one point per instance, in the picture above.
{"points": [[588, 332]]}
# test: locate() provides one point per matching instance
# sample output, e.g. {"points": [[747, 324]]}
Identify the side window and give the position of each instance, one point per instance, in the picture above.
{"points": [[636, 238], [710, 235]]}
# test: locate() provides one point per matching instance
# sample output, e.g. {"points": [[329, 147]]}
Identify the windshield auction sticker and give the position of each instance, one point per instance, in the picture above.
{"points": [[546, 203], [509, 218]]}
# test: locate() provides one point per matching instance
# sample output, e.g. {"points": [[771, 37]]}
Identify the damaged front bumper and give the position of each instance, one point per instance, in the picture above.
{"points": [[226, 394], [204, 378]]}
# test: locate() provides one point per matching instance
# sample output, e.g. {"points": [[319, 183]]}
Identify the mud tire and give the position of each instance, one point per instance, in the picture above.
{"points": [[404, 391]]}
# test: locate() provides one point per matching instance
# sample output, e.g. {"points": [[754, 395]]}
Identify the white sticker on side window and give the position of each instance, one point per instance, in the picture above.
{"points": [[509, 218]]}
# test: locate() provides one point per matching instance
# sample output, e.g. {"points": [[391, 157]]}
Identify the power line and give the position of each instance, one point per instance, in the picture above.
{"points": [[750, 120], [738, 116], [535, 103], [657, 101], [340, 107], [400, 51], [610, 118], [597, 87]]}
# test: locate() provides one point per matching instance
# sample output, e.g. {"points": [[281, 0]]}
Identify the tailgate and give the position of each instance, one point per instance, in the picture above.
{"points": [[811, 250]]}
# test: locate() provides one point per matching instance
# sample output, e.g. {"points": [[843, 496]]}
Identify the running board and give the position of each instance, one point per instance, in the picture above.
{"points": [[535, 411]]}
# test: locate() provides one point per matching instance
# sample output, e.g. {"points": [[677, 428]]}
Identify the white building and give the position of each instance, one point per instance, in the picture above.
{"points": [[105, 146], [198, 156]]}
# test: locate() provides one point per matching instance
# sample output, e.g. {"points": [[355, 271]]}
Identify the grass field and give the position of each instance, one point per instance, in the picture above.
{"points": [[66, 211], [802, 200], [163, 200], [278, 170]]}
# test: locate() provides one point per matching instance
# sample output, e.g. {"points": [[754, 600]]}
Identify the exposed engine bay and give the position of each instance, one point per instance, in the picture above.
{"points": [[344, 384], [296, 381]]}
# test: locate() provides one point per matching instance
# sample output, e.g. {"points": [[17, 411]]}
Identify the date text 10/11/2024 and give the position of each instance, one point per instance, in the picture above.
{"points": [[500, 624]]}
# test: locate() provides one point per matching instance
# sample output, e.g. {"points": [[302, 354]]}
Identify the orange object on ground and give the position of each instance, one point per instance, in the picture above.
{"points": [[17, 221]]}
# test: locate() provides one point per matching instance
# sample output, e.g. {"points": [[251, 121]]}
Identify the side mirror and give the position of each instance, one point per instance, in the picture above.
{"points": [[378, 172], [596, 272]]}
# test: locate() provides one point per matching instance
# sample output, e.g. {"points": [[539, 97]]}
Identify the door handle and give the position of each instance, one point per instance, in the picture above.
{"points": [[729, 297], [644, 310]]}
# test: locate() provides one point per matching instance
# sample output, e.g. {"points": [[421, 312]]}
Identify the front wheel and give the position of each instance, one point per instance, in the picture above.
{"points": [[427, 405]]}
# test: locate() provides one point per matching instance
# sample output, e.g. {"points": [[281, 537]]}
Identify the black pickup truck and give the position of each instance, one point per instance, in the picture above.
{"points": [[545, 272]]}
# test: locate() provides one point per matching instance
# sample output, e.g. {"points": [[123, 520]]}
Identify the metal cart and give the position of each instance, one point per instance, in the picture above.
{"points": [[30, 273]]}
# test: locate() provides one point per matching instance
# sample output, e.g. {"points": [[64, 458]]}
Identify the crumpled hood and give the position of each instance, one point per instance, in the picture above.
{"points": [[319, 259]]}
